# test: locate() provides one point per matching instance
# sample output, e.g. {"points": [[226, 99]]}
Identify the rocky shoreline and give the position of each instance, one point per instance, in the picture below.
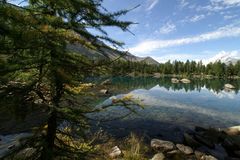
{"points": [[200, 144]]}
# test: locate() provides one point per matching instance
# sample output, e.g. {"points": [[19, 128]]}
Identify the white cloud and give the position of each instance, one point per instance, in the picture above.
{"points": [[151, 45], [227, 2], [167, 28], [151, 4], [226, 17], [197, 18], [183, 3], [172, 57], [219, 5]]}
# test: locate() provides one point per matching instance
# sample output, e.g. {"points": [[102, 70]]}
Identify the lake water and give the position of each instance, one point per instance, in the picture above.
{"points": [[172, 107]]}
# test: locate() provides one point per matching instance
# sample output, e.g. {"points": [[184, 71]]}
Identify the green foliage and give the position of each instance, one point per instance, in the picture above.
{"points": [[34, 42], [189, 68]]}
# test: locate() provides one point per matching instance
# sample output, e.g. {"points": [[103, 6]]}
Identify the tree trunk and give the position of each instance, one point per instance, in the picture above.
{"points": [[48, 149]]}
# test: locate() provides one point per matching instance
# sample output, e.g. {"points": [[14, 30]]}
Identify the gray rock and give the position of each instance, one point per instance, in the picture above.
{"points": [[184, 149], [184, 80], [235, 130], [158, 156], [229, 86], [173, 152], [174, 80], [104, 91], [199, 155], [115, 152], [157, 75], [162, 145], [209, 157]]}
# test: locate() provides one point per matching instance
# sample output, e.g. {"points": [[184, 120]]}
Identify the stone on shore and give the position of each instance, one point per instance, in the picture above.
{"points": [[158, 156], [162, 145], [232, 131], [185, 149], [115, 152], [104, 91]]}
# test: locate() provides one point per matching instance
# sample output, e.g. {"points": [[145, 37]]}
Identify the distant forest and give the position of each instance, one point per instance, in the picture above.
{"points": [[187, 68]]}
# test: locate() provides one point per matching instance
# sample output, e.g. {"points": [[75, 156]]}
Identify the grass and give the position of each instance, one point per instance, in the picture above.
{"points": [[132, 147]]}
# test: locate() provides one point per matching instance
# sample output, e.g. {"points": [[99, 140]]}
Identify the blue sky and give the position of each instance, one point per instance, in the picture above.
{"points": [[180, 29]]}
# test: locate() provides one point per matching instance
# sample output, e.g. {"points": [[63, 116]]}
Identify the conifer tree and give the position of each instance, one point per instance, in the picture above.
{"points": [[34, 42]]}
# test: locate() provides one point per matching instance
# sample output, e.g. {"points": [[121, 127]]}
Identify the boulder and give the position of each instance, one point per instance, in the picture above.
{"points": [[173, 152], [184, 80], [158, 156], [184, 149], [199, 155], [229, 86], [162, 145], [156, 75], [235, 130], [115, 152], [209, 157], [174, 80], [104, 91]]}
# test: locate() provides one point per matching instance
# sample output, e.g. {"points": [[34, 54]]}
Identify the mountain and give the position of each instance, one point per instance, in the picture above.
{"points": [[149, 60], [112, 54], [226, 57]]}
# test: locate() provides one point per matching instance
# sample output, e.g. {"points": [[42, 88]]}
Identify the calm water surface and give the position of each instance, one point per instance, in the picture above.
{"points": [[173, 107]]}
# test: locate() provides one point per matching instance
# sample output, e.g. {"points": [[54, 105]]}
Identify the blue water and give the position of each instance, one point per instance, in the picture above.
{"points": [[165, 105]]}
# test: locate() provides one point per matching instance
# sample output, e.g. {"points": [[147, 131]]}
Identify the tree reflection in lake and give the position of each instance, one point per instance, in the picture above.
{"points": [[201, 102]]}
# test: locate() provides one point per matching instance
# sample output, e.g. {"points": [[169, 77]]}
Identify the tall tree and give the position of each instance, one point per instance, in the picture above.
{"points": [[34, 40]]}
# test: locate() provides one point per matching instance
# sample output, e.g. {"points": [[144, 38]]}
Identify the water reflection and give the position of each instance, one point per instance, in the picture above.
{"points": [[202, 102], [216, 85]]}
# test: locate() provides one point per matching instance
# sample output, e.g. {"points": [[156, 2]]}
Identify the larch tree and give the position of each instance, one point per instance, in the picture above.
{"points": [[38, 68]]}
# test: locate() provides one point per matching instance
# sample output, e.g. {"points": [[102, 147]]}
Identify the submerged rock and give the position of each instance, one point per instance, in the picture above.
{"points": [[156, 75], [184, 80], [162, 145], [158, 156], [184, 149], [229, 86], [174, 80]]}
